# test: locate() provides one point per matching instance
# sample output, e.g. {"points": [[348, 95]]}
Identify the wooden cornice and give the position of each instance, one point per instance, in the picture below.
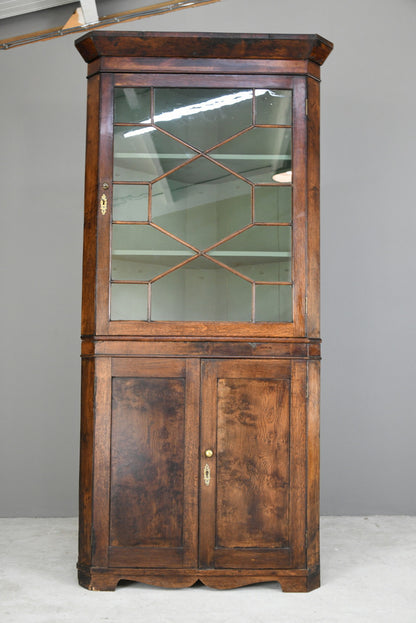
{"points": [[96, 44]]}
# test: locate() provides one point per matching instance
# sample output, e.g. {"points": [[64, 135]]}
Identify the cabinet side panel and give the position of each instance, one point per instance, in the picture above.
{"points": [[86, 461], [313, 465], [313, 242], [147, 462], [298, 468], [101, 479], [252, 463], [90, 212]]}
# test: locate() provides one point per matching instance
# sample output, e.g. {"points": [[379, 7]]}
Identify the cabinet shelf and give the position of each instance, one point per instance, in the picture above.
{"points": [[146, 252], [250, 253], [167, 253], [181, 156]]}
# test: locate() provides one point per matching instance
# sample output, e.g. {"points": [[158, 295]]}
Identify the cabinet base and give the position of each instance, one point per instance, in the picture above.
{"points": [[290, 580]]}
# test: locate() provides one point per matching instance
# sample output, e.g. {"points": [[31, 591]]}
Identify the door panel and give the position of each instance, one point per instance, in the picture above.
{"points": [[147, 462], [246, 510], [252, 463], [153, 448]]}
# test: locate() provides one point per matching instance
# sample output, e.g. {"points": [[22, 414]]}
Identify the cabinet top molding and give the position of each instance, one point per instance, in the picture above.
{"points": [[96, 44]]}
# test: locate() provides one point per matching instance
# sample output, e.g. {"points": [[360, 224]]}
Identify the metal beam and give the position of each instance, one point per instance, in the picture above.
{"points": [[89, 12], [73, 26]]}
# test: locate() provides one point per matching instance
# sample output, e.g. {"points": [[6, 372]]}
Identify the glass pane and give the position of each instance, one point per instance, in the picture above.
{"points": [[142, 154], [273, 204], [131, 105], [140, 252], [201, 203], [203, 117], [273, 303], [258, 154], [201, 290], [128, 301], [273, 107], [130, 203], [260, 253]]}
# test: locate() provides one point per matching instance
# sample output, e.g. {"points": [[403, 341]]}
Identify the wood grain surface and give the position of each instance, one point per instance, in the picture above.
{"points": [[147, 457]]}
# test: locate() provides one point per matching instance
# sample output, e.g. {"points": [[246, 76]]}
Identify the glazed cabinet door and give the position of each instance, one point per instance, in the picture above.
{"points": [[153, 491], [203, 188], [252, 464]]}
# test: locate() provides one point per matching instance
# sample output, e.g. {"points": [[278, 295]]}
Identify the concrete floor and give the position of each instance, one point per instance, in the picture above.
{"points": [[368, 575]]}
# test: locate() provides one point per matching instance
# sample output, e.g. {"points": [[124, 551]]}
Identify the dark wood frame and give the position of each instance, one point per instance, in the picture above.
{"points": [[207, 329], [111, 347]]}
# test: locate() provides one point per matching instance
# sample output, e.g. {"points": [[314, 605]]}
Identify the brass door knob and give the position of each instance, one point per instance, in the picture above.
{"points": [[209, 453]]}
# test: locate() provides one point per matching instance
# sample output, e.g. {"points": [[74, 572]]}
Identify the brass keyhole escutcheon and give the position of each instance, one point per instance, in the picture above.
{"points": [[209, 453], [103, 204], [207, 475]]}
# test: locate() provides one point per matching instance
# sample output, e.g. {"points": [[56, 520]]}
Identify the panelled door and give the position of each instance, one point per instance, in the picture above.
{"points": [[154, 455], [252, 427], [207, 450]]}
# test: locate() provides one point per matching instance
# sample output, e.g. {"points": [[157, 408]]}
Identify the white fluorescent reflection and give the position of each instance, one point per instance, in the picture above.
{"points": [[285, 177], [141, 131], [193, 109]]}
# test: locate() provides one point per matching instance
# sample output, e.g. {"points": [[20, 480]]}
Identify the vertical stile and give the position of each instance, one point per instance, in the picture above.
{"points": [[149, 302], [152, 105], [149, 203], [104, 222]]}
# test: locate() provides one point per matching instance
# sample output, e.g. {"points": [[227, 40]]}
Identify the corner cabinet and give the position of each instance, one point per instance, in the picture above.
{"points": [[200, 313]]}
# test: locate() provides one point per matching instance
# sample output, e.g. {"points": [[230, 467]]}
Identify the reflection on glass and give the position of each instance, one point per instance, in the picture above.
{"points": [[201, 290], [258, 154], [201, 203], [203, 117], [273, 303], [283, 177], [273, 204], [131, 105], [128, 301], [141, 252], [260, 253], [273, 107], [130, 202], [143, 154]]}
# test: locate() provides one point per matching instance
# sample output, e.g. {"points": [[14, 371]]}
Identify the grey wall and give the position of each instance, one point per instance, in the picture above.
{"points": [[368, 252]]}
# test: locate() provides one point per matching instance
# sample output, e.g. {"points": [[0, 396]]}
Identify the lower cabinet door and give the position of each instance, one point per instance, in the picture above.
{"points": [[154, 458], [202, 464], [252, 499]]}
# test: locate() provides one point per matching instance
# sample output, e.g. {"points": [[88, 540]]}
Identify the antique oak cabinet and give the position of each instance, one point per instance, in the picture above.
{"points": [[200, 312]]}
